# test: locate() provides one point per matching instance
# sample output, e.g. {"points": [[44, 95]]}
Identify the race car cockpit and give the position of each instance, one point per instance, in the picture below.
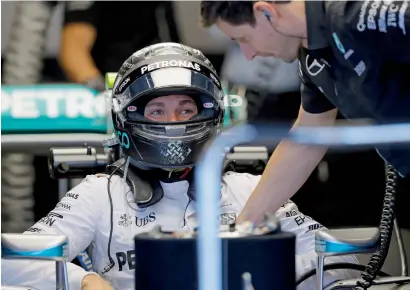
{"points": [[238, 256]]}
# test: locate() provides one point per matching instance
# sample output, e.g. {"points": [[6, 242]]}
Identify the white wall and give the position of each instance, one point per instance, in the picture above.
{"points": [[187, 17], [207, 40]]}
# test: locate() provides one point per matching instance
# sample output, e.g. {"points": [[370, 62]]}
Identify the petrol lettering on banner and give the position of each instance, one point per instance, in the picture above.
{"points": [[124, 258], [52, 103]]}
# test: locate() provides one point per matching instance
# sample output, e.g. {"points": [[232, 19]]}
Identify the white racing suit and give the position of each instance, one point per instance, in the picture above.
{"points": [[83, 215]]}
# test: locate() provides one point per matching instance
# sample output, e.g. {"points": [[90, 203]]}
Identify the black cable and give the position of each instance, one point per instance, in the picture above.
{"points": [[336, 266], [386, 229], [112, 263]]}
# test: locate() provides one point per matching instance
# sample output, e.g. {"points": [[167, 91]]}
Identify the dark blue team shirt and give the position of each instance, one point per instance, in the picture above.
{"points": [[358, 61]]}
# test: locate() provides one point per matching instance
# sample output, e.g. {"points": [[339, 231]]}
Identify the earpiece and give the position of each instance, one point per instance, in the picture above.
{"points": [[267, 14]]}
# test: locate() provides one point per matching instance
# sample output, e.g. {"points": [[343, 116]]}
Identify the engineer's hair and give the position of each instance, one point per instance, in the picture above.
{"points": [[232, 12]]}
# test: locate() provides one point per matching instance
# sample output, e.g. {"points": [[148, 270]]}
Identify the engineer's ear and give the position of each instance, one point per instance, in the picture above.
{"points": [[264, 11]]}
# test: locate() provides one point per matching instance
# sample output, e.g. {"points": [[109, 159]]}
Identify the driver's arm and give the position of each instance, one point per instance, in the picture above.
{"points": [[77, 40], [291, 164], [75, 216]]}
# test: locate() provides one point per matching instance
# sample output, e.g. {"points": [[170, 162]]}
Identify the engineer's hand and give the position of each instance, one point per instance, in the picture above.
{"points": [[95, 282]]}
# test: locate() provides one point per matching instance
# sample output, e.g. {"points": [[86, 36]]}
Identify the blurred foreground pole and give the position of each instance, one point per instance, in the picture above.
{"points": [[23, 64]]}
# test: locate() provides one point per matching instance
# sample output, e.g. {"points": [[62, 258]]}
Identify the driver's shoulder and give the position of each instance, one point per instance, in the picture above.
{"points": [[95, 180], [235, 179], [95, 186], [232, 175], [239, 185]]}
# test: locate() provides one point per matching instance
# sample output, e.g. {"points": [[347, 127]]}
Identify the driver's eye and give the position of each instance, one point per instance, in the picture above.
{"points": [[187, 112], [157, 113]]}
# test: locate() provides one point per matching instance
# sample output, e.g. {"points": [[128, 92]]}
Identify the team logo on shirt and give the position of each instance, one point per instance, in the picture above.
{"points": [[125, 220], [143, 221], [313, 67]]}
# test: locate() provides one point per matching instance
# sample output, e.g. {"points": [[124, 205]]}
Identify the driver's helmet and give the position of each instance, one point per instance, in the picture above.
{"points": [[165, 69]]}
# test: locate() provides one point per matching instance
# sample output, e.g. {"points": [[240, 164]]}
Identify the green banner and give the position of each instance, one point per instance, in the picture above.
{"points": [[66, 108], [52, 108]]}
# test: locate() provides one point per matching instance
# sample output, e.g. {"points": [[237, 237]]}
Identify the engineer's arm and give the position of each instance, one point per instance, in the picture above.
{"points": [[77, 40], [75, 216], [293, 221], [291, 164]]}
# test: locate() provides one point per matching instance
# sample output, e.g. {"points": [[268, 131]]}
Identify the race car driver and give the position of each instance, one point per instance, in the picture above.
{"points": [[354, 57], [167, 101]]}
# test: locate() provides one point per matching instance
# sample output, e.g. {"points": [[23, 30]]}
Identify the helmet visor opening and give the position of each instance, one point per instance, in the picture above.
{"points": [[174, 107], [168, 81]]}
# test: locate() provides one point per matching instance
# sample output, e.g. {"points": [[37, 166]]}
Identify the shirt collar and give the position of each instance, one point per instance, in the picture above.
{"points": [[316, 25]]}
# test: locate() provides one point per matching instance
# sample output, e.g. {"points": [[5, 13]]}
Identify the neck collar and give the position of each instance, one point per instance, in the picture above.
{"points": [[316, 25]]}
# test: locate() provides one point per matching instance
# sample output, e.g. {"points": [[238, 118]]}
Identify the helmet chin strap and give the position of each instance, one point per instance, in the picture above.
{"points": [[143, 167], [187, 169], [139, 165]]}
